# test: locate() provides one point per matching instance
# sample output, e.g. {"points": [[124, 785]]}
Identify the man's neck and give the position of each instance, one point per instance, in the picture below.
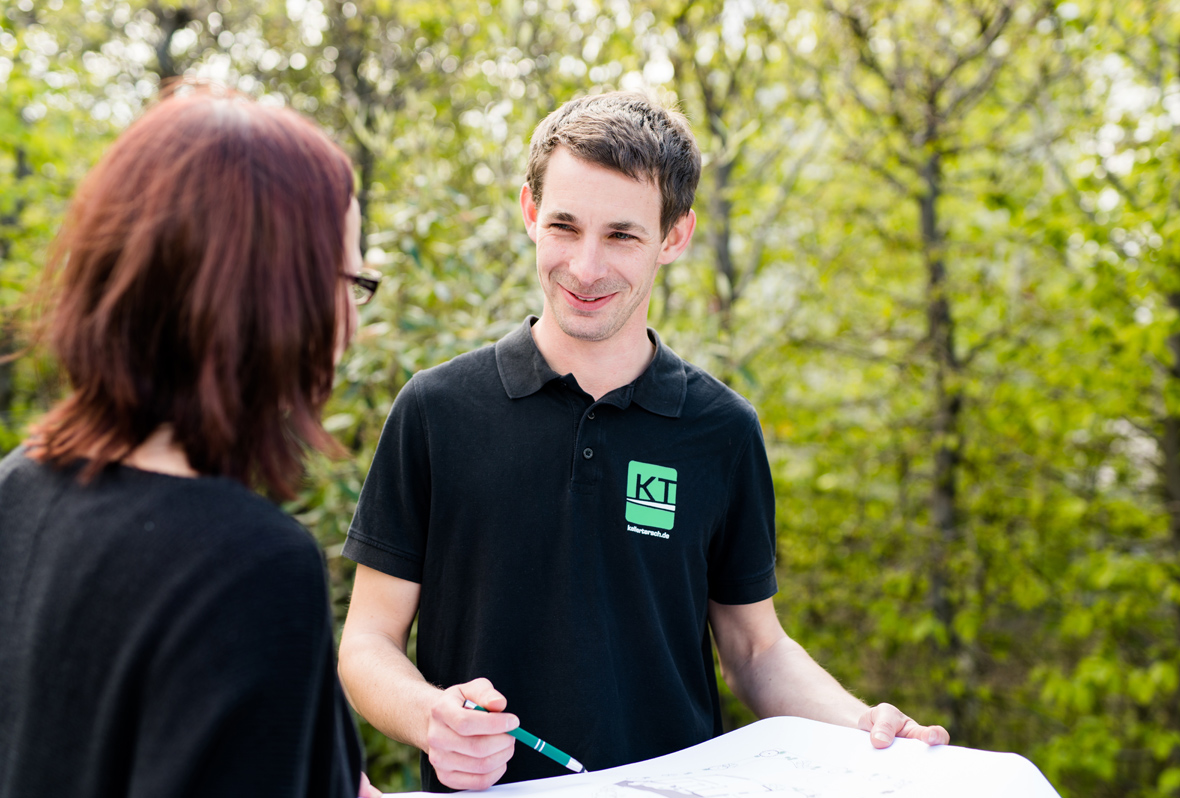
{"points": [[598, 366]]}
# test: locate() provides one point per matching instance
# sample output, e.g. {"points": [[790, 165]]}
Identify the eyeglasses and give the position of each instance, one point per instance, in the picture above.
{"points": [[364, 285]]}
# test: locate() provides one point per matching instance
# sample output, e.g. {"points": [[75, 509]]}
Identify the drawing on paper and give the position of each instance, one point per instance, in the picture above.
{"points": [[773, 773]]}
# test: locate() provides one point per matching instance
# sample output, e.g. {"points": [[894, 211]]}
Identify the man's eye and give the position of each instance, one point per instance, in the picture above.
{"points": [[622, 236], [560, 226]]}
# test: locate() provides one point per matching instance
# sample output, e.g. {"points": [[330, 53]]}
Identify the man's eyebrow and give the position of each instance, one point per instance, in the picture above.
{"points": [[565, 217], [628, 227]]}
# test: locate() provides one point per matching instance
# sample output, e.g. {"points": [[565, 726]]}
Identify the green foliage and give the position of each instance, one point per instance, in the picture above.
{"points": [[938, 248]]}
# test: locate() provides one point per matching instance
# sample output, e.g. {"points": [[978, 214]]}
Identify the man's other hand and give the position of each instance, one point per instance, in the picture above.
{"points": [[885, 722], [470, 750]]}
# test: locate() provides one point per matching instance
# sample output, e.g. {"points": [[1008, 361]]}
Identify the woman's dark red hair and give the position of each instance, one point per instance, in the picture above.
{"points": [[198, 285]]}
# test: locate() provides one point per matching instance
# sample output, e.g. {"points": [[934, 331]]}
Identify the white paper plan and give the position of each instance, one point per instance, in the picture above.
{"points": [[798, 758]]}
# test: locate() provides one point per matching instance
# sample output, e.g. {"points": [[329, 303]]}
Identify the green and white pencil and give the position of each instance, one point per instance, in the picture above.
{"points": [[537, 744]]}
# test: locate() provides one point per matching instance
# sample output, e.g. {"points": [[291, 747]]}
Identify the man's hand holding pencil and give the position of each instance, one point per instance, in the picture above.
{"points": [[470, 750], [537, 744]]}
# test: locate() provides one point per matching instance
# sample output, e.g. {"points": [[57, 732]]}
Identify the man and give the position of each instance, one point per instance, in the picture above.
{"points": [[575, 514]]}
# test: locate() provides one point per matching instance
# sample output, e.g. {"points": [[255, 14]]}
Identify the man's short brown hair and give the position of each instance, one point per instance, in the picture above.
{"points": [[627, 133]]}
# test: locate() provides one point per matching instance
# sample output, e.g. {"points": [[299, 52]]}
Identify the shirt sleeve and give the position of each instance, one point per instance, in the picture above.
{"points": [[742, 553], [240, 695], [388, 531]]}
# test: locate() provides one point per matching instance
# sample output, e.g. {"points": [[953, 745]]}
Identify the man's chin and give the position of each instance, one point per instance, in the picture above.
{"points": [[589, 330]]}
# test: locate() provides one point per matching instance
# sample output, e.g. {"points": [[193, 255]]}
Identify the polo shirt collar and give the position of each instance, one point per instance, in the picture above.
{"points": [[522, 368], [663, 385], [660, 389]]}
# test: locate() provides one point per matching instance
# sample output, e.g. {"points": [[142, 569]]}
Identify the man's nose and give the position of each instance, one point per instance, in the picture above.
{"points": [[588, 262]]}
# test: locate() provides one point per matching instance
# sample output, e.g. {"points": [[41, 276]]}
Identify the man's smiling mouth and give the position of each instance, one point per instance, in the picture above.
{"points": [[588, 299]]}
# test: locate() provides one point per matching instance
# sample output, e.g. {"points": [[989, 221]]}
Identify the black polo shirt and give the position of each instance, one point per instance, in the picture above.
{"points": [[567, 548]]}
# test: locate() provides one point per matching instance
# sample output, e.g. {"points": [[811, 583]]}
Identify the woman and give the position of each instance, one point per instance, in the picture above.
{"points": [[164, 630]]}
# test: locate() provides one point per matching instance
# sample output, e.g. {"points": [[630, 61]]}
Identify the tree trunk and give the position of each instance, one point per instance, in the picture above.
{"points": [[7, 389], [7, 339], [169, 21], [719, 225], [720, 234], [1170, 466], [947, 423]]}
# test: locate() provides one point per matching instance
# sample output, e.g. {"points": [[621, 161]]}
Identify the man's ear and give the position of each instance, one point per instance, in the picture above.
{"points": [[528, 209], [678, 238]]}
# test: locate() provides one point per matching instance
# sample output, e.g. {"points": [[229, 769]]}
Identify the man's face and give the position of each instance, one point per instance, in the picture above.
{"points": [[599, 246]]}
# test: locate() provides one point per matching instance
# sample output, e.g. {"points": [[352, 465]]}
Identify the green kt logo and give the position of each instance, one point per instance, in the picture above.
{"points": [[651, 495]]}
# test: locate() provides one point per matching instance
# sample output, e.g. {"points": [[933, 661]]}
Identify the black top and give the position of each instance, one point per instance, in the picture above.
{"points": [[162, 636], [567, 548]]}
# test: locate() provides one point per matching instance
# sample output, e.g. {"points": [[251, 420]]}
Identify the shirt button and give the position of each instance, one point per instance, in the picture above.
{"points": [[590, 415], [587, 453]]}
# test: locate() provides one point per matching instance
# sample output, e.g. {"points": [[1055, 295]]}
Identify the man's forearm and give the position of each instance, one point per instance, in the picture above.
{"points": [[783, 679], [386, 688]]}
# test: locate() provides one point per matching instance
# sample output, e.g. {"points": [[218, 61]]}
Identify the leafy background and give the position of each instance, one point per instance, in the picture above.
{"points": [[939, 250]]}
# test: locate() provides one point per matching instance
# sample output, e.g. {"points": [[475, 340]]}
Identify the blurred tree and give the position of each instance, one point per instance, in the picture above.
{"points": [[925, 89], [1120, 170], [757, 133]]}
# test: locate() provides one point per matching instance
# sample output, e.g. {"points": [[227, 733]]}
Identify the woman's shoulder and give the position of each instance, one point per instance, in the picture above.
{"points": [[145, 516], [214, 515]]}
